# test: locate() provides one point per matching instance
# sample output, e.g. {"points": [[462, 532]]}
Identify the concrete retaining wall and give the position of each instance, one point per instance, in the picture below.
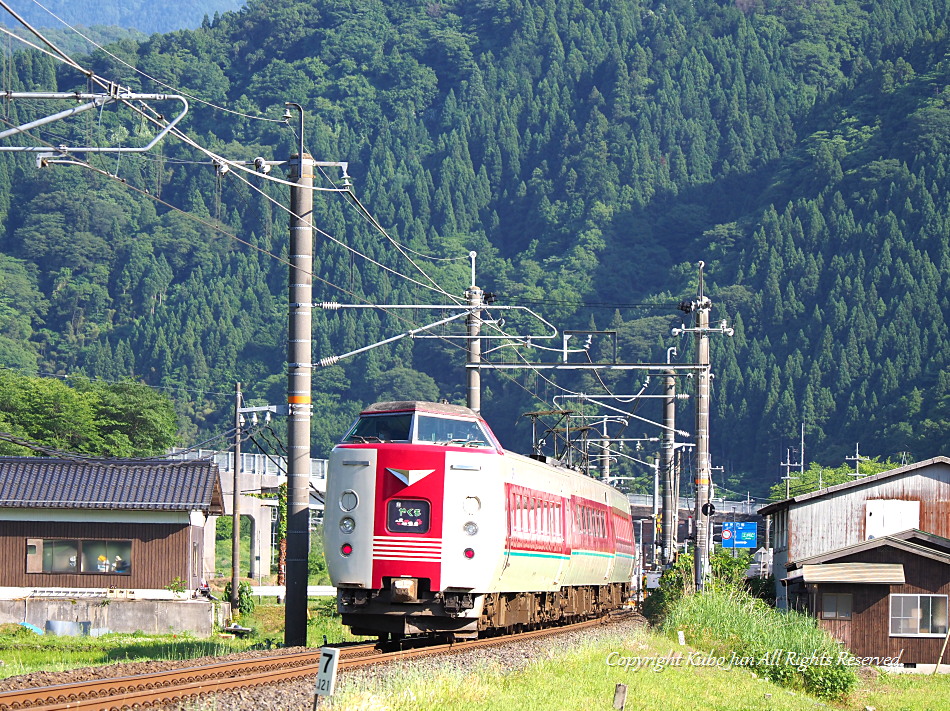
{"points": [[102, 614]]}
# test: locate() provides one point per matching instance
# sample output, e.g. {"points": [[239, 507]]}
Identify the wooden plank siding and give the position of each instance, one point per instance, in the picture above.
{"points": [[160, 553], [867, 633]]}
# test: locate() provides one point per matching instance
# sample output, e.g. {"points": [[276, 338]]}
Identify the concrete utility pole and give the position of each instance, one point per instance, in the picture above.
{"points": [[703, 464], [857, 459], [473, 324], [669, 519], [703, 510], [236, 504], [299, 365]]}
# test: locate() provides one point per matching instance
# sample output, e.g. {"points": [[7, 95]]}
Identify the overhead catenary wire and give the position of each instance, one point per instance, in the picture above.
{"points": [[147, 76], [81, 458], [240, 166], [341, 243]]}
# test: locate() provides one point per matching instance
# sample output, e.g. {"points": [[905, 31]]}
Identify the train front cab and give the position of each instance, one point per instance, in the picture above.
{"points": [[408, 544]]}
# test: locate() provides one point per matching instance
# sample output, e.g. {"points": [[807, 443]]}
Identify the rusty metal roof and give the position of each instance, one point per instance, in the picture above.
{"points": [[905, 541], [875, 573], [863, 481], [50, 483]]}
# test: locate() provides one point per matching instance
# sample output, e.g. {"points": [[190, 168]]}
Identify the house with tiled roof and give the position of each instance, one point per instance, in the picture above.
{"points": [[100, 524]]}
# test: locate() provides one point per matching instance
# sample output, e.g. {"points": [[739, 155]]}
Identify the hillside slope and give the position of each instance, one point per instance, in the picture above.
{"points": [[591, 152]]}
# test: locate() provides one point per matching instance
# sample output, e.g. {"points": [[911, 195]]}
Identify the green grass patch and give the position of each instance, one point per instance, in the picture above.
{"points": [[786, 647], [23, 651], [903, 692], [582, 679]]}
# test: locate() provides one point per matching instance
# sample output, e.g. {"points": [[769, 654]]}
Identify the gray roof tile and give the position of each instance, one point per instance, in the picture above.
{"points": [[41, 482]]}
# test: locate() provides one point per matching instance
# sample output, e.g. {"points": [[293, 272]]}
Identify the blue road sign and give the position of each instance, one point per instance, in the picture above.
{"points": [[739, 534]]}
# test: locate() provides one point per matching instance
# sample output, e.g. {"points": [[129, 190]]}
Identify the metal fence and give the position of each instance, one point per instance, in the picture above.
{"points": [[251, 463]]}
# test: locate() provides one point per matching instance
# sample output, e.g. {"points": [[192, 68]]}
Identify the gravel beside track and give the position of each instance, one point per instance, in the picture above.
{"points": [[292, 696]]}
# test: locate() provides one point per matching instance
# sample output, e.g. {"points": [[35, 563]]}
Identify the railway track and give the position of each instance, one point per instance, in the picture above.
{"points": [[159, 689]]}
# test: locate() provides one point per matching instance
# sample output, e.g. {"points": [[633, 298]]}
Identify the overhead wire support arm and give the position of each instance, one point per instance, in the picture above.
{"points": [[325, 362], [95, 100], [658, 367]]}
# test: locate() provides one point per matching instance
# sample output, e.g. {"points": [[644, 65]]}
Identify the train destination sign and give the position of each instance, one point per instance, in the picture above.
{"points": [[407, 516]]}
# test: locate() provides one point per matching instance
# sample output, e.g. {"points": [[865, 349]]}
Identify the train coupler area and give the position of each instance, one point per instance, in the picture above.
{"points": [[456, 602]]}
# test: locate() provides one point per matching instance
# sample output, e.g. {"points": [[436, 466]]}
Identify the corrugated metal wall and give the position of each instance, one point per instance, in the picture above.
{"points": [[837, 520], [160, 552]]}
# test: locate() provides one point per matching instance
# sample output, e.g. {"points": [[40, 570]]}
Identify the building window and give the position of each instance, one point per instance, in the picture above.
{"points": [[836, 606], [55, 555], [919, 615]]}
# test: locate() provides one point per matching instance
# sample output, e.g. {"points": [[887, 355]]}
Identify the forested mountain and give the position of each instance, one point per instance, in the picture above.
{"points": [[142, 15], [590, 151]]}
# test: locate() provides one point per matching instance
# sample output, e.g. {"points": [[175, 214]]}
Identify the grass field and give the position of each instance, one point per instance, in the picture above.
{"points": [[23, 651], [582, 679], [577, 678]]}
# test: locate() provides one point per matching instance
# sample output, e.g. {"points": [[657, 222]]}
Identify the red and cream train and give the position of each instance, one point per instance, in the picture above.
{"points": [[432, 527]]}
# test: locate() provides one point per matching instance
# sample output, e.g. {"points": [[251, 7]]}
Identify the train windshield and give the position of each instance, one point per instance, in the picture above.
{"points": [[381, 428], [428, 429], [439, 430]]}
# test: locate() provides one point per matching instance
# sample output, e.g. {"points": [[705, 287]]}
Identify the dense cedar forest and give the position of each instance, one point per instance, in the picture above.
{"points": [[143, 15], [590, 151]]}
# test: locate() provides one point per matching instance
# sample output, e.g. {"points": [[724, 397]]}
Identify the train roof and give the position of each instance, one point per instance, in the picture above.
{"points": [[437, 408]]}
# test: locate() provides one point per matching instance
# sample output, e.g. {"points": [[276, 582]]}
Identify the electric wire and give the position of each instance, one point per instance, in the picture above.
{"points": [[221, 161], [281, 469], [399, 247], [80, 458], [281, 446], [340, 242], [58, 52], [147, 76]]}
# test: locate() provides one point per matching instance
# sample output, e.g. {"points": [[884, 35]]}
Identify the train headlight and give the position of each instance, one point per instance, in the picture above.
{"points": [[471, 505], [471, 528], [349, 500], [346, 549], [347, 524], [469, 553]]}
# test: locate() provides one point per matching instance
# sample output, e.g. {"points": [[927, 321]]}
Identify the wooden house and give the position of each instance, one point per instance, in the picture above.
{"points": [[870, 559], [130, 524]]}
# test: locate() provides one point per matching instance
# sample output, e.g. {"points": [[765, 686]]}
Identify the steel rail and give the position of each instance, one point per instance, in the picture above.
{"points": [[163, 688]]}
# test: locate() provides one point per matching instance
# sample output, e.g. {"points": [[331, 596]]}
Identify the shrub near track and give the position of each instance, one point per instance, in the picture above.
{"points": [[785, 647]]}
